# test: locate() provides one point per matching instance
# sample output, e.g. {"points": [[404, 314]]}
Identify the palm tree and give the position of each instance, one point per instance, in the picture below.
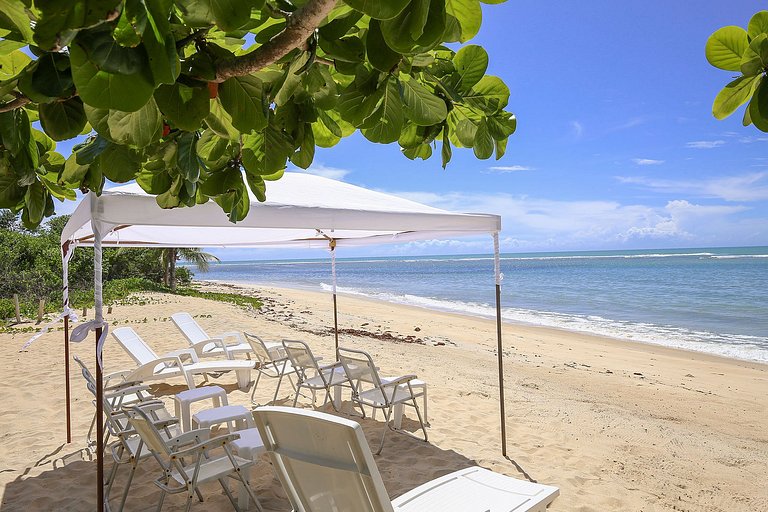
{"points": [[169, 257]]}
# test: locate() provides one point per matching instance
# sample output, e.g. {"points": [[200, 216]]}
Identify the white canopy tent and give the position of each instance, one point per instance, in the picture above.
{"points": [[301, 210]]}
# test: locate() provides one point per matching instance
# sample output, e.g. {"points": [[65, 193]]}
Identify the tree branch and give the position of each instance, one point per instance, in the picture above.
{"points": [[300, 26], [20, 101]]}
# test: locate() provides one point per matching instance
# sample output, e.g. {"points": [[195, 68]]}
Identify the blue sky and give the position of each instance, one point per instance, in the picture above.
{"points": [[616, 146]]}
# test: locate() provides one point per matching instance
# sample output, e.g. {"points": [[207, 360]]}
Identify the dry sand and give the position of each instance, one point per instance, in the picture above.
{"points": [[616, 425]]}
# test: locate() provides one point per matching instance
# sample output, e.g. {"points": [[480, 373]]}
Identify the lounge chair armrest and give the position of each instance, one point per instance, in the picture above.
{"points": [[193, 437], [200, 348], [183, 355], [332, 366], [121, 375], [120, 391], [147, 370], [232, 334]]}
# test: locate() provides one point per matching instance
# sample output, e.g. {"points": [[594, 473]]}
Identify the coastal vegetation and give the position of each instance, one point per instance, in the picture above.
{"points": [[30, 267], [207, 99]]}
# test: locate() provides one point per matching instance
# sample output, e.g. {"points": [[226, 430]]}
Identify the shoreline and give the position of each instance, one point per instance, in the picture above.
{"points": [[681, 351]]}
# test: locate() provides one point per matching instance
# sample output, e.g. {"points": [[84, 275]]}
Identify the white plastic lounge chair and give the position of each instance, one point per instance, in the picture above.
{"points": [[187, 459], [324, 463], [270, 362], [178, 363], [312, 376], [371, 390], [210, 345], [126, 449]]}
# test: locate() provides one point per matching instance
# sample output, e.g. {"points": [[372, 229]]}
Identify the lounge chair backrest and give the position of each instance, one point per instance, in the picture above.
{"points": [[359, 366], [189, 327], [134, 345], [299, 354], [145, 428], [323, 461]]}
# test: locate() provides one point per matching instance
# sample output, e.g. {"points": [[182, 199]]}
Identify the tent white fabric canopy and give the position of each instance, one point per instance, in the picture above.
{"points": [[302, 210], [297, 206]]}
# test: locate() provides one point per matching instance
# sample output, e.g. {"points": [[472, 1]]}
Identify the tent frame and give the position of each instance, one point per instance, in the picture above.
{"points": [[99, 326]]}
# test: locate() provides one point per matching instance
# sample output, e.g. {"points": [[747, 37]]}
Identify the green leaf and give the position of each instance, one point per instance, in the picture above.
{"points": [[378, 9], [34, 203], [12, 64], [734, 95], [119, 163], [423, 151], [384, 125], [501, 147], [380, 55], [266, 151], [346, 49], [502, 125], [421, 105], [755, 58], [468, 14], [160, 44], [470, 62], [185, 107], [490, 95], [60, 20], [101, 89], [291, 80], [73, 173], [726, 46], [215, 151], [446, 152], [758, 24], [355, 106], [242, 98], [12, 11], [220, 121], [230, 14], [257, 186], [63, 120], [397, 31], [306, 152], [189, 165], [137, 129], [195, 13], [87, 152], [11, 194], [758, 107], [483, 143], [131, 24]]}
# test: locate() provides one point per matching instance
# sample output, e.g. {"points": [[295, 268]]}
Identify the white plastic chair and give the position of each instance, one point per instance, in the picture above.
{"points": [[127, 447], [371, 390], [312, 376], [187, 460], [183, 362], [271, 362], [210, 345], [325, 464]]}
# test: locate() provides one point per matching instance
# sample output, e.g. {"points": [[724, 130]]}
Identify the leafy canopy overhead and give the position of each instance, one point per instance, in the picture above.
{"points": [[199, 99], [733, 48]]}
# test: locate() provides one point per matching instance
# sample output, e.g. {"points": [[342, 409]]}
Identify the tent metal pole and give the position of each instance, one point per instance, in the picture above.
{"points": [[65, 248], [500, 345], [332, 245], [98, 319]]}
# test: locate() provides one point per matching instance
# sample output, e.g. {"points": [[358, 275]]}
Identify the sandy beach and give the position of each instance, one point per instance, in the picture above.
{"points": [[615, 425]]}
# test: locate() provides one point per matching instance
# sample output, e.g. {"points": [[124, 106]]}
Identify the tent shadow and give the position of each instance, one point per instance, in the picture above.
{"points": [[67, 483]]}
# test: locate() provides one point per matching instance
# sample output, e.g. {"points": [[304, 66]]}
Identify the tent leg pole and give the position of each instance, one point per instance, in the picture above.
{"points": [[66, 379], [99, 427], [500, 355], [336, 325]]}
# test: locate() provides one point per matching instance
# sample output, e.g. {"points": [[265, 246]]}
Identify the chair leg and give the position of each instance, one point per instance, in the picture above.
{"points": [[421, 421], [387, 414], [229, 494], [255, 384], [128, 485]]}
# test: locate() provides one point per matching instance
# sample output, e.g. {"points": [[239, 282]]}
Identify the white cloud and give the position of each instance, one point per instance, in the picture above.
{"points": [[577, 129], [747, 187], [647, 161], [510, 168], [750, 140], [537, 224], [333, 173], [704, 144]]}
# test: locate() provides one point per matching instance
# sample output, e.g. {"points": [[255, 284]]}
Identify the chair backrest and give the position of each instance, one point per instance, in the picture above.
{"points": [[259, 348], [145, 428], [300, 355], [359, 367], [323, 461], [134, 345], [189, 327], [90, 381]]}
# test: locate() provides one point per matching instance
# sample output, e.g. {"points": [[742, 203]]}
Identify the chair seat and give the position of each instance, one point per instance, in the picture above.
{"points": [[476, 490], [376, 396], [334, 378], [209, 417], [212, 469]]}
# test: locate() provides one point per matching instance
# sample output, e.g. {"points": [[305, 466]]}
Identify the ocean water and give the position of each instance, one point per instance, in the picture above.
{"points": [[709, 300]]}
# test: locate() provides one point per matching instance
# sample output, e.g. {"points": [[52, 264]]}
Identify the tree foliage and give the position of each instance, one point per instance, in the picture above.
{"points": [[205, 99], [744, 51]]}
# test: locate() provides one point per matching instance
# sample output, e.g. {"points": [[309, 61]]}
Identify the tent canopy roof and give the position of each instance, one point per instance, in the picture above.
{"points": [[301, 210]]}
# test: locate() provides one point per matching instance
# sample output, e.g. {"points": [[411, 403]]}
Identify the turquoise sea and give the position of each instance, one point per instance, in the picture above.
{"points": [[710, 300]]}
